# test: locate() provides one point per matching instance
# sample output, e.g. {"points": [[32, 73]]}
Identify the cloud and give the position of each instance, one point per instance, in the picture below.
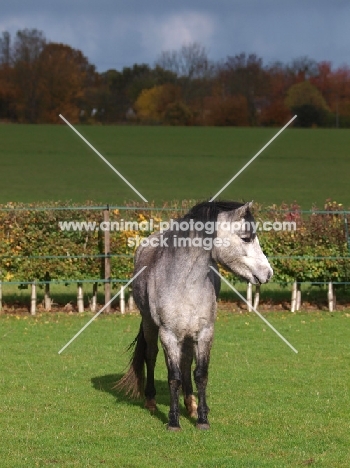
{"points": [[115, 33], [149, 35], [179, 29]]}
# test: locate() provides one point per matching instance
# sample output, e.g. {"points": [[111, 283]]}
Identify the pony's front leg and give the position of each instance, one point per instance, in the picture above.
{"points": [[202, 353], [174, 413], [172, 357]]}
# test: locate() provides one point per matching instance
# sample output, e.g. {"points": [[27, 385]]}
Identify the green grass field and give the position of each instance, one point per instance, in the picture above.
{"points": [[269, 406], [46, 162]]}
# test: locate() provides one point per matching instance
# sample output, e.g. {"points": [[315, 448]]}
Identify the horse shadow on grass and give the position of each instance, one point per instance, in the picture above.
{"points": [[106, 383]]}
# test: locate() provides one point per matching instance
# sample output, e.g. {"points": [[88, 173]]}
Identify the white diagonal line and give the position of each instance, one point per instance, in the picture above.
{"points": [[254, 157], [98, 313], [253, 308], [103, 158]]}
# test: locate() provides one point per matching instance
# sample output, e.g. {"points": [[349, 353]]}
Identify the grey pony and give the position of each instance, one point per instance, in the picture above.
{"points": [[177, 294]]}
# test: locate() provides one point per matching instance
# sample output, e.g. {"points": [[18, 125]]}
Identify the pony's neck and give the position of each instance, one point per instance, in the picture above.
{"points": [[193, 264]]}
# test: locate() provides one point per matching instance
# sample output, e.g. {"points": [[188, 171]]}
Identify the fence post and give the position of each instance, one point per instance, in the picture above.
{"points": [[347, 231], [122, 300], [257, 296], [80, 298], [331, 298], [131, 303], [33, 299], [93, 303], [249, 296], [298, 298], [47, 298], [294, 297], [107, 249]]}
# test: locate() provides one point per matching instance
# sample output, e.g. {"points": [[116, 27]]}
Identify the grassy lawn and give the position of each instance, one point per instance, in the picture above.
{"points": [[269, 407], [43, 162]]}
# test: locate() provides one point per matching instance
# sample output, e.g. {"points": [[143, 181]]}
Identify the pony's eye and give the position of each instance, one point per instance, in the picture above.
{"points": [[245, 239]]}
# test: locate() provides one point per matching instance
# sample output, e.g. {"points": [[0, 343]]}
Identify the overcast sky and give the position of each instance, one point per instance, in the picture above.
{"points": [[119, 33]]}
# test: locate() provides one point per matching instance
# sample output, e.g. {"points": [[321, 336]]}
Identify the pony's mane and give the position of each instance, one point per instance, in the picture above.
{"points": [[204, 212], [209, 211]]}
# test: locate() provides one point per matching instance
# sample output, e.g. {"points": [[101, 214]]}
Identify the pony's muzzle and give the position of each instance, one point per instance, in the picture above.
{"points": [[261, 275], [265, 276]]}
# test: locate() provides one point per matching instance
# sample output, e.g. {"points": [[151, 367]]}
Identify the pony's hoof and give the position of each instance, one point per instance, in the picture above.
{"points": [[173, 428], [151, 405], [203, 426]]}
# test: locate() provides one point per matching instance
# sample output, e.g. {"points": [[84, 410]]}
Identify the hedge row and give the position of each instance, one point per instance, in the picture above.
{"points": [[317, 251]]}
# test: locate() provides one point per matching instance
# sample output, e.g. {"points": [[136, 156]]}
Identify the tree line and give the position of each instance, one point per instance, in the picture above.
{"points": [[40, 79]]}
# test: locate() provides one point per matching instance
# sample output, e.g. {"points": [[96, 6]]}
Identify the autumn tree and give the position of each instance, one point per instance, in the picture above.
{"points": [[192, 68], [120, 90], [7, 89], [27, 47], [66, 76], [341, 87], [226, 111], [163, 104], [147, 105], [301, 69], [307, 102], [335, 88], [190, 61], [244, 75], [178, 113], [40, 79], [275, 111]]}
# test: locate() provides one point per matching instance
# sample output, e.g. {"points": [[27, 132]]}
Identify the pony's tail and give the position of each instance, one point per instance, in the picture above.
{"points": [[132, 383]]}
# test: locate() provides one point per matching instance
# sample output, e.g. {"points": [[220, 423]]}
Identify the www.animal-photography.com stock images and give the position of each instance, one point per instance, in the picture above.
{"points": [[175, 182]]}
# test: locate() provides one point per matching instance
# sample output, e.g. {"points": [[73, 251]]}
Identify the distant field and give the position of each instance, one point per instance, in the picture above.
{"points": [[44, 162]]}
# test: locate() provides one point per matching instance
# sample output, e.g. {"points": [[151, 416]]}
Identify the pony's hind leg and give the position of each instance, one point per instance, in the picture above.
{"points": [[150, 331], [187, 388], [202, 354], [172, 352]]}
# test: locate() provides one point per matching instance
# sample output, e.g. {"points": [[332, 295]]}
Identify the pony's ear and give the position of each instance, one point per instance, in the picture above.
{"points": [[242, 210]]}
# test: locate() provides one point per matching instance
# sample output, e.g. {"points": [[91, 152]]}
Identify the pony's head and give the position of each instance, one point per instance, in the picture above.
{"points": [[228, 234], [237, 246]]}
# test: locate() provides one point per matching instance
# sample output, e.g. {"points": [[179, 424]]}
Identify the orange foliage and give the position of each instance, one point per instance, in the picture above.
{"points": [[39, 87], [334, 86], [64, 74], [229, 110], [276, 113]]}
